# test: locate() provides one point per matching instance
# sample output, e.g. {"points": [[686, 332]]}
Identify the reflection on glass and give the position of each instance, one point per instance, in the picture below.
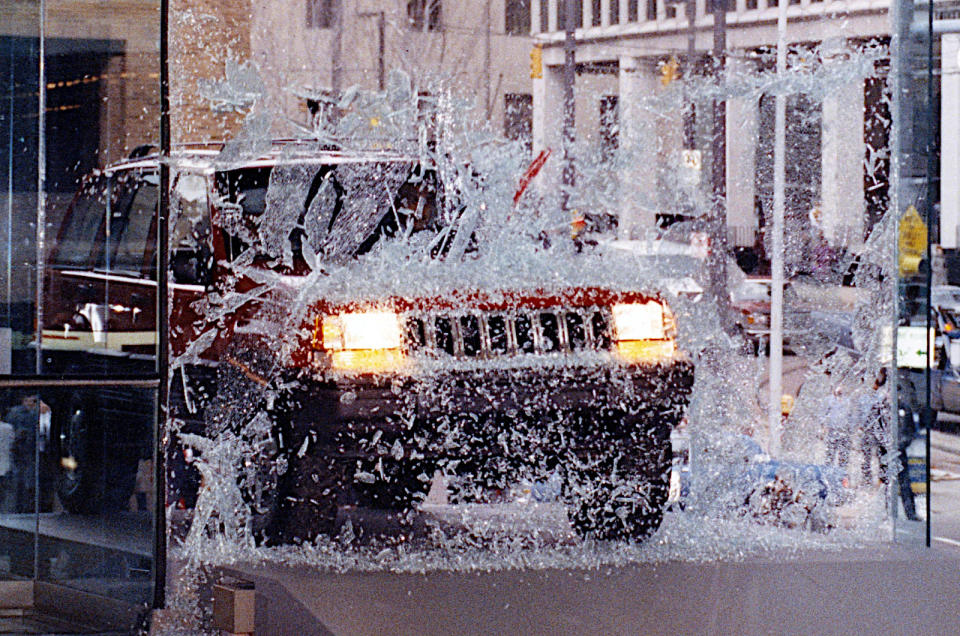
{"points": [[96, 514], [76, 460]]}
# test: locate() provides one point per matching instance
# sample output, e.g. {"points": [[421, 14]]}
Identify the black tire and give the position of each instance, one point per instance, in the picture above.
{"points": [[96, 473], [317, 490], [622, 496], [260, 486], [236, 409], [308, 500]]}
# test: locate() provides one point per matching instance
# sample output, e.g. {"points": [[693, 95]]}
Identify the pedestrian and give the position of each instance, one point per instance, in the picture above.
{"points": [[873, 409], [838, 415], [7, 483], [907, 430], [30, 421]]}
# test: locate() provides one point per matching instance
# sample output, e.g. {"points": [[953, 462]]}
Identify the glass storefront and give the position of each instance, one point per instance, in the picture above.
{"points": [[78, 333], [447, 285]]}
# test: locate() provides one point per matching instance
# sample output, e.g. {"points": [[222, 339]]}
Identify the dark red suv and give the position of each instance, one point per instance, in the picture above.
{"points": [[347, 396]]}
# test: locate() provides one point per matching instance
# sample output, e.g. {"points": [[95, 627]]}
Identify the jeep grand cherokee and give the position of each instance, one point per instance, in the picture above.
{"points": [[369, 392]]}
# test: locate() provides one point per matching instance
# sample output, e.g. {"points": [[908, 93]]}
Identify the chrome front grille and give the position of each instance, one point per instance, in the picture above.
{"points": [[508, 333]]}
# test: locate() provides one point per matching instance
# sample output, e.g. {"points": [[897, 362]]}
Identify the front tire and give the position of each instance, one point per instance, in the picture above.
{"points": [[91, 478], [622, 499]]}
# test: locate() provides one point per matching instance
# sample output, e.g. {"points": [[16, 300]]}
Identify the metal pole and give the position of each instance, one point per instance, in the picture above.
{"points": [[690, 115], [569, 106], [40, 255], [776, 264], [381, 51], [486, 59], [719, 168], [163, 356], [932, 155], [718, 253], [336, 71]]}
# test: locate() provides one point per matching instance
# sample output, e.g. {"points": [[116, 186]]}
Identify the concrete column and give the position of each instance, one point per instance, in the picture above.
{"points": [[548, 109], [535, 25], [548, 125], [842, 154], [638, 148], [949, 140], [743, 125], [604, 12]]}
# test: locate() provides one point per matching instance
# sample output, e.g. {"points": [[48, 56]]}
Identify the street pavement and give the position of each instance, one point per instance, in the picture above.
{"points": [[883, 590], [945, 486]]}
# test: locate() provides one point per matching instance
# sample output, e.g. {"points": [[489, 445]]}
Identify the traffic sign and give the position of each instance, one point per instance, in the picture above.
{"points": [[912, 241]]}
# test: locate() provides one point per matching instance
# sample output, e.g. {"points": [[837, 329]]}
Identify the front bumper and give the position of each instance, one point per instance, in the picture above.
{"points": [[484, 411]]}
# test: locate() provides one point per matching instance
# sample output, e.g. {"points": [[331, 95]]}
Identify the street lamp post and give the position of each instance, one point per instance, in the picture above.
{"points": [[718, 171], [690, 114], [569, 105]]}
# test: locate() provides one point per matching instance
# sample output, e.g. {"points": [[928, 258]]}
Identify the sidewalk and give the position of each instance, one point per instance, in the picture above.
{"points": [[885, 590], [945, 488]]}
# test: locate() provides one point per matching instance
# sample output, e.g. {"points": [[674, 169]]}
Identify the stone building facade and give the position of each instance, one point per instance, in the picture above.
{"points": [[621, 49]]}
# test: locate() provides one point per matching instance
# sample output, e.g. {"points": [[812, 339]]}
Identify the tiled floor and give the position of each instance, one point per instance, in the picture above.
{"points": [[29, 622]]}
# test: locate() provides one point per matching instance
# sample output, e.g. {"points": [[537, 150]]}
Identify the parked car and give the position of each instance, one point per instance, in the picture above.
{"points": [[945, 296], [348, 395], [750, 299]]}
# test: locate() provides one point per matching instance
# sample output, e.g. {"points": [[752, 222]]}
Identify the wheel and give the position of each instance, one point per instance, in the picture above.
{"points": [[260, 474], [308, 500], [318, 494], [97, 472], [623, 495], [240, 413]]}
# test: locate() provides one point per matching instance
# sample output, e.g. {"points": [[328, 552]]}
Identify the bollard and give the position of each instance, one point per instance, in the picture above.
{"points": [[233, 607]]}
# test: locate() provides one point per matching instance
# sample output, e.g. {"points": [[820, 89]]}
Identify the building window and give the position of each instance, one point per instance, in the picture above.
{"points": [[633, 10], [518, 117], [609, 125], [614, 11], [425, 15], [517, 17], [544, 16], [322, 14], [595, 13]]}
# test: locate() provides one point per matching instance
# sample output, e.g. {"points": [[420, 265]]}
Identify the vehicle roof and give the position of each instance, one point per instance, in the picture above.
{"points": [[208, 156]]}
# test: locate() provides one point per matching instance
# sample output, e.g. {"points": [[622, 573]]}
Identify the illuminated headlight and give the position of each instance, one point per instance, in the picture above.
{"points": [[364, 341], [643, 332], [636, 321], [369, 330]]}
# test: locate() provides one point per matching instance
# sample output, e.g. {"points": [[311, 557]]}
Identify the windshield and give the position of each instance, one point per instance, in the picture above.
{"points": [[333, 212]]}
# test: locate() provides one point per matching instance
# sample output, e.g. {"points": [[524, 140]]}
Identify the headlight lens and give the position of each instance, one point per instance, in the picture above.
{"points": [[638, 321], [363, 341], [367, 330], [644, 331]]}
